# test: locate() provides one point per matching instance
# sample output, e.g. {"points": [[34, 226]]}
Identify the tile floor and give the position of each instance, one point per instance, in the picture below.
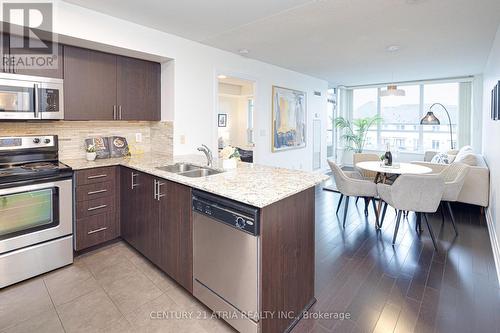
{"points": [[112, 289]]}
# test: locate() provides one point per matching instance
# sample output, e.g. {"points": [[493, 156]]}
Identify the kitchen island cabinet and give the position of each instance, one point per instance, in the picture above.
{"points": [[157, 220]]}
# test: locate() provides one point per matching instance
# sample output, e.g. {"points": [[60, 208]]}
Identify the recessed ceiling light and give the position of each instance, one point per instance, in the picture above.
{"points": [[222, 76], [243, 51], [393, 48]]}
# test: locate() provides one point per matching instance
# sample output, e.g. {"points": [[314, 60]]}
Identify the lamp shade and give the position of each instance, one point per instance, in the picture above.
{"points": [[430, 119], [392, 90]]}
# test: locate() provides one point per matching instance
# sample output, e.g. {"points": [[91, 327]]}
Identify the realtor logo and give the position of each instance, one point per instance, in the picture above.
{"points": [[28, 41]]}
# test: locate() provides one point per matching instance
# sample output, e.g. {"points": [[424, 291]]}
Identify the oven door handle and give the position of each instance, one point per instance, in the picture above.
{"points": [[42, 186]]}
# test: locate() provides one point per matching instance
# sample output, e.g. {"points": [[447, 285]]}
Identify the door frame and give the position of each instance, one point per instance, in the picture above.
{"points": [[215, 110]]}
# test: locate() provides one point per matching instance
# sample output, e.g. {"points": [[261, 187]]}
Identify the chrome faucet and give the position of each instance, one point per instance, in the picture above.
{"points": [[208, 154]]}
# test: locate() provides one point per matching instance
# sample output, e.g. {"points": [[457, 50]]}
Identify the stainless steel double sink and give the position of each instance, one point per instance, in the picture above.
{"points": [[189, 170]]}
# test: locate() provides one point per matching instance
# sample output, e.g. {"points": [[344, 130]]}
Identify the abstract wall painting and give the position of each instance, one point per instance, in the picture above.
{"points": [[289, 119]]}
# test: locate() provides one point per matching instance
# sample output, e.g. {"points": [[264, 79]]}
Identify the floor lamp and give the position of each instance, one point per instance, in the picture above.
{"points": [[431, 119]]}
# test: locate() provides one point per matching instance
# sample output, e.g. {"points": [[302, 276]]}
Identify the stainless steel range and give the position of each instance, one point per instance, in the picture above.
{"points": [[36, 200]]}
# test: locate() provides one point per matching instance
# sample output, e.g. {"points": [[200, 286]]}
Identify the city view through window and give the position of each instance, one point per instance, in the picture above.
{"points": [[401, 116]]}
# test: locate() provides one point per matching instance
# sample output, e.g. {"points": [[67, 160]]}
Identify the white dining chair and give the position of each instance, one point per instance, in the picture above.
{"points": [[421, 194], [352, 184], [454, 178], [365, 157]]}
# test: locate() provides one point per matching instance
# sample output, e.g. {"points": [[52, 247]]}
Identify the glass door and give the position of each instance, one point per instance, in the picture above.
{"points": [[30, 211], [17, 100]]}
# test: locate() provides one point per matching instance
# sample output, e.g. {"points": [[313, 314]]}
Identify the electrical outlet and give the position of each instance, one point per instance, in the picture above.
{"points": [[138, 137]]}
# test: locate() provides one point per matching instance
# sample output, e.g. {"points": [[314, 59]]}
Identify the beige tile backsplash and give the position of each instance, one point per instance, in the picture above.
{"points": [[157, 137]]}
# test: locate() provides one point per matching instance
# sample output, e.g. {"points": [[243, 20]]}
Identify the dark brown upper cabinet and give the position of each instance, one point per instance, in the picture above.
{"points": [[103, 86], [8, 50], [57, 58], [89, 84], [138, 89]]}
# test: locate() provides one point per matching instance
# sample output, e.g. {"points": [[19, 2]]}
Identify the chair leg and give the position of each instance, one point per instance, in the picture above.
{"points": [[441, 209], [418, 224], [377, 224], [345, 209], [452, 218], [340, 201], [367, 202], [384, 210], [397, 227], [430, 231]]}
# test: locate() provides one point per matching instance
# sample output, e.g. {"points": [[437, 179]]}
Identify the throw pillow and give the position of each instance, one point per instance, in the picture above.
{"points": [[441, 158], [463, 151], [469, 159]]}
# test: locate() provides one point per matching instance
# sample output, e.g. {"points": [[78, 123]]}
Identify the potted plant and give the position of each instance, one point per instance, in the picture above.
{"points": [[355, 132], [230, 156], [91, 153]]}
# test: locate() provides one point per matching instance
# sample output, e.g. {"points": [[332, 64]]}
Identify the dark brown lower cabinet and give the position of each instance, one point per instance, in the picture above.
{"points": [[156, 221], [139, 222], [97, 209], [176, 242]]}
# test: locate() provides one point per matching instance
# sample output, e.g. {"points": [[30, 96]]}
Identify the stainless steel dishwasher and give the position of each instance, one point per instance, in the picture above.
{"points": [[226, 261]]}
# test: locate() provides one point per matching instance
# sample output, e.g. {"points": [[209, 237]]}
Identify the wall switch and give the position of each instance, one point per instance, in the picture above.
{"points": [[182, 139], [138, 137], [262, 132]]}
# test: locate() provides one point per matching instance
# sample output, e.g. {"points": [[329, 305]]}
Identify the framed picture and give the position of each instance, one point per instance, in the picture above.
{"points": [[222, 119], [288, 119], [497, 101], [494, 102]]}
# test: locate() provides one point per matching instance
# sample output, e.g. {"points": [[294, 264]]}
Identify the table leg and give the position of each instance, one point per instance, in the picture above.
{"points": [[379, 208]]}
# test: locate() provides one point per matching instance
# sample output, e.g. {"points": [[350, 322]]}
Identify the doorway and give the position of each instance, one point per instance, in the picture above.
{"points": [[235, 116]]}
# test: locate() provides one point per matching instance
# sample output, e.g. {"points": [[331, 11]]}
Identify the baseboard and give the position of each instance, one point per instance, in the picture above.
{"points": [[495, 245]]}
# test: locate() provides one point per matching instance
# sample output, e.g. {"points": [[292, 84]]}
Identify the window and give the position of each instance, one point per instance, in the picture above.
{"points": [[329, 124], [401, 115], [448, 95], [250, 138], [365, 104]]}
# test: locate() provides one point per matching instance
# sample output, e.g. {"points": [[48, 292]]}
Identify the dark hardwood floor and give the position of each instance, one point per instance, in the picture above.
{"points": [[408, 287]]}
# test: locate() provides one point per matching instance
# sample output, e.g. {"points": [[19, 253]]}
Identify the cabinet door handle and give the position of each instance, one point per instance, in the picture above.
{"points": [[159, 194], [97, 207], [155, 189], [133, 184], [120, 111], [97, 192], [96, 230], [97, 176]]}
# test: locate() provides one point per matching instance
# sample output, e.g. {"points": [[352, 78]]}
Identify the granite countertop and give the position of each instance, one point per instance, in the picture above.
{"points": [[252, 184]]}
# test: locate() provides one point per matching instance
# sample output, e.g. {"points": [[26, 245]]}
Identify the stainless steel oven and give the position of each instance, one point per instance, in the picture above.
{"points": [[24, 97], [35, 229]]}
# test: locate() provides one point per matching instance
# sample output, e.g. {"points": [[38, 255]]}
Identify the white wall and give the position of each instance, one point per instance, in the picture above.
{"points": [[235, 133], [192, 82], [491, 134]]}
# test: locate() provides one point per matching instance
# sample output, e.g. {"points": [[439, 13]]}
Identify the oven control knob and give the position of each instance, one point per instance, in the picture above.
{"points": [[46, 141], [36, 140], [240, 222]]}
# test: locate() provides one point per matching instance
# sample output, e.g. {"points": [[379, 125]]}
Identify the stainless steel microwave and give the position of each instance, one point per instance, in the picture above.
{"points": [[24, 97]]}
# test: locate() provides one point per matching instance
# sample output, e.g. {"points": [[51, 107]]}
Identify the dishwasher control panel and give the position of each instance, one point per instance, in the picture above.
{"points": [[232, 213]]}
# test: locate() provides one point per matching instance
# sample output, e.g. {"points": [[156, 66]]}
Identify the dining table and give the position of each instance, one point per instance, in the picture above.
{"points": [[386, 172], [396, 169]]}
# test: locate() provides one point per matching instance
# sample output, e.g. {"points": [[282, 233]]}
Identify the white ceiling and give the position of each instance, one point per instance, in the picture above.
{"points": [[342, 41]]}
